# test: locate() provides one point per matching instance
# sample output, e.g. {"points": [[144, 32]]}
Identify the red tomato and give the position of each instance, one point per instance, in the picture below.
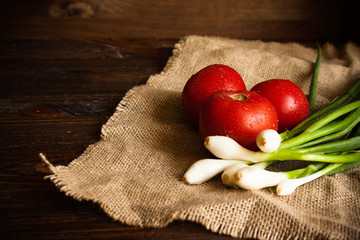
{"points": [[288, 99], [238, 115], [211, 79]]}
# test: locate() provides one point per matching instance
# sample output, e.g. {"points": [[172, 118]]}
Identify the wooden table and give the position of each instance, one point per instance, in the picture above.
{"points": [[64, 67]]}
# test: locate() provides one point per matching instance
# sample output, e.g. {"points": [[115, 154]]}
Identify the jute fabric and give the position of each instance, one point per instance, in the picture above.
{"points": [[134, 172]]}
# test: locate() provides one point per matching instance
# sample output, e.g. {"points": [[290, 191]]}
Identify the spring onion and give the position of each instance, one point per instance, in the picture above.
{"points": [[237, 152], [328, 139], [205, 169], [226, 148], [253, 178], [350, 96], [288, 186], [268, 140], [228, 176], [314, 82]]}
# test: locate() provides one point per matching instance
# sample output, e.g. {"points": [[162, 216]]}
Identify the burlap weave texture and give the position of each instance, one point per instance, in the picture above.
{"points": [[135, 171]]}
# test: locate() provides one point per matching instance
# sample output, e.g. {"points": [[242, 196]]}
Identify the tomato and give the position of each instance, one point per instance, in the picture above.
{"points": [[288, 99], [211, 79], [239, 115]]}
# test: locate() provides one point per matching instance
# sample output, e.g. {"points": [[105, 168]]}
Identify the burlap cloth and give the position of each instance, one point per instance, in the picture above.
{"points": [[135, 171]]}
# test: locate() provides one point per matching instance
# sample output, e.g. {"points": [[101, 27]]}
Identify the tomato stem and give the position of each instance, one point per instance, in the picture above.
{"points": [[239, 97], [312, 140]]}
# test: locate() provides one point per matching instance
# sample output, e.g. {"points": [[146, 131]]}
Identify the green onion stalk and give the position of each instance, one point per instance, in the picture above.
{"points": [[313, 144], [314, 82], [328, 139]]}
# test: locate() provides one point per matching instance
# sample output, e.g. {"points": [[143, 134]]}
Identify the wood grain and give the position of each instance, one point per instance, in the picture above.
{"points": [[66, 64], [54, 97], [109, 20]]}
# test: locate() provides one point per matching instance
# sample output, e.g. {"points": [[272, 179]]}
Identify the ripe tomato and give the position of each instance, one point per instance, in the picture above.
{"points": [[211, 79], [239, 115], [288, 99]]}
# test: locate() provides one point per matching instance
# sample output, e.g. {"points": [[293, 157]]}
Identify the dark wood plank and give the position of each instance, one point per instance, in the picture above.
{"points": [[55, 100], [66, 64], [109, 20]]}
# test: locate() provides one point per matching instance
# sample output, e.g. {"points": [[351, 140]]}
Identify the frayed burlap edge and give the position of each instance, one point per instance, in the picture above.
{"points": [[211, 225], [185, 215], [54, 177]]}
